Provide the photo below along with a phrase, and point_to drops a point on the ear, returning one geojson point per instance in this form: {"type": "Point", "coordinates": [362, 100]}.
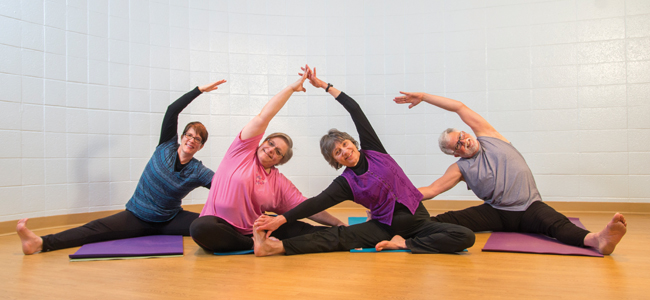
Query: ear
{"type": "Point", "coordinates": [200, 147]}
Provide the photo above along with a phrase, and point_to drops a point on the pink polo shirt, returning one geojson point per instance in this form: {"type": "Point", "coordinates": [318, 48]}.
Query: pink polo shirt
{"type": "Point", "coordinates": [241, 190]}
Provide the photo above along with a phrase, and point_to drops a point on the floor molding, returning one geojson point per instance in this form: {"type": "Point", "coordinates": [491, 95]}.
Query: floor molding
{"type": "Point", "coordinates": [9, 227]}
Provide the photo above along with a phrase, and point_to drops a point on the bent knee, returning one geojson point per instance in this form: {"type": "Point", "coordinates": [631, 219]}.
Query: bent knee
{"type": "Point", "coordinates": [465, 236]}
{"type": "Point", "coordinates": [199, 228]}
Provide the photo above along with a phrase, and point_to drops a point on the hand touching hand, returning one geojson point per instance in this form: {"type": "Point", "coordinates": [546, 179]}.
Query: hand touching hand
{"type": "Point", "coordinates": [211, 86]}
{"type": "Point", "coordinates": [297, 86]}
{"type": "Point", "coordinates": [412, 98]}
{"type": "Point", "coordinates": [312, 77]}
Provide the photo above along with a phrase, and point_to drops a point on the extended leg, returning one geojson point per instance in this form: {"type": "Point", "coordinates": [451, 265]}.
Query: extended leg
{"type": "Point", "coordinates": [293, 229]}
{"type": "Point", "coordinates": [118, 226]}
{"type": "Point", "coordinates": [339, 238]}
{"type": "Point", "coordinates": [477, 218]}
{"type": "Point", "coordinates": [179, 225]}
{"type": "Point", "coordinates": [541, 218]}
{"type": "Point", "coordinates": [214, 234]}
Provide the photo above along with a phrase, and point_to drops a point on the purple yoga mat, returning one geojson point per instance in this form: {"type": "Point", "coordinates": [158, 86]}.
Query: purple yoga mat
{"type": "Point", "coordinates": [535, 243]}
{"type": "Point", "coordinates": [152, 245]}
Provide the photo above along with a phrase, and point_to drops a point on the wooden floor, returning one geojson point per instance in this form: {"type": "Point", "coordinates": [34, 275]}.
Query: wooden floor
{"type": "Point", "coordinates": [483, 275]}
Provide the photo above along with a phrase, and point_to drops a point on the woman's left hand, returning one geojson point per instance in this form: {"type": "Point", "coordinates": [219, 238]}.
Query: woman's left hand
{"type": "Point", "coordinates": [297, 86]}
{"type": "Point", "coordinates": [211, 86]}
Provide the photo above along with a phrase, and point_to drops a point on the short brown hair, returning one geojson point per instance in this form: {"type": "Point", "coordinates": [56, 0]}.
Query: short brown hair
{"type": "Point", "coordinates": [287, 139]}
{"type": "Point", "coordinates": [328, 142]}
{"type": "Point", "coordinates": [199, 129]}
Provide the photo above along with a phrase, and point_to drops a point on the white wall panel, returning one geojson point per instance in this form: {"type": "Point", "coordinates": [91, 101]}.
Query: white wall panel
{"type": "Point", "coordinates": [85, 85]}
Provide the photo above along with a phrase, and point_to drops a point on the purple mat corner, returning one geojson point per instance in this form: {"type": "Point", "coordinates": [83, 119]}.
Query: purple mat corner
{"type": "Point", "coordinates": [152, 245]}
{"type": "Point", "coordinates": [535, 243]}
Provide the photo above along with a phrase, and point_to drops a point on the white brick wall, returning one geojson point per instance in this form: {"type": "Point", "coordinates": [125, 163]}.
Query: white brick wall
{"type": "Point", "coordinates": [84, 86]}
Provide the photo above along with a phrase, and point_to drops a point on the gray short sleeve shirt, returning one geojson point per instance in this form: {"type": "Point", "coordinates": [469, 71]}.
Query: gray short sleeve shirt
{"type": "Point", "coordinates": [499, 175]}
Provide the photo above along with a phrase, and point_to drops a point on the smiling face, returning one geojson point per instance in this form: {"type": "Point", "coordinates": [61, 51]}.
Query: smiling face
{"type": "Point", "coordinates": [271, 152]}
{"type": "Point", "coordinates": [191, 142]}
{"type": "Point", "coordinates": [346, 153]}
{"type": "Point", "coordinates": [463, 144]}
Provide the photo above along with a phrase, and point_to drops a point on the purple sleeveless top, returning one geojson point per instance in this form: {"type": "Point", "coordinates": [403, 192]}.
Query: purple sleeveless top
{"type": "Point", "coordinates": [381, 186]}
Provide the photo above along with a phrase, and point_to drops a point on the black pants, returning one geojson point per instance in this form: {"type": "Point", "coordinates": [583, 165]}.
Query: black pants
{"type": "Point", "coordinates": [422, 235]}
{"type": "Point", "coordinates": [215, 234]}
{"type": "Point", "coordinates": [538, 218]}
{"type": "Point", "coordinates": [118, 226]}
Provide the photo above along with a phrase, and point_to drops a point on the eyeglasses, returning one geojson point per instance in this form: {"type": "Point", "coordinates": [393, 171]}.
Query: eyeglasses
{"type": "Point", "coordinates": [460, 143]}
{"type": "Point", "coordinates": [194, 138]}
{"type": "Point", "coordinates": [277, 151]}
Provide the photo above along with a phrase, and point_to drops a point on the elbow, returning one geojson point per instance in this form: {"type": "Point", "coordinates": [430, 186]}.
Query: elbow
{"type": "Point", "coordinates": [459, 107]}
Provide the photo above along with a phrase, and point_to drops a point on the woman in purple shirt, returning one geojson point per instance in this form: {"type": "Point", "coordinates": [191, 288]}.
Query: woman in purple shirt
{"type": "Point", "coordinates": [373, 179]}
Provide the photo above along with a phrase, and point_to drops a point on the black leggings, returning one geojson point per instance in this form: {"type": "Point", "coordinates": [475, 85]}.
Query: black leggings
{"type": "Point", "coordinates": [215, 234]}
{"type": "Point", "coordinates": [421, 234]}
{"type": "Point", "coordinates": [118, 226]}
{"type": "Point", "coordinates": [538, 218]}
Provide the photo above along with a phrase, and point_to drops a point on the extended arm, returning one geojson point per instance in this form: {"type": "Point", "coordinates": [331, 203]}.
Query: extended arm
{"type": "Point", "coordinates": [259, 123]}
{"type": "Point", "coordinates": [448, 180]}
{"type": "Point", "coordinates": [169, 126]}
{"type": "Point", "coordinates": [336, 193]}
{"type": "Point", "coordinates": [367, 135]}
{"type": "Point", "coordinates": [326, 218]}
{"type": "Point", "coordinates": [479, 125]}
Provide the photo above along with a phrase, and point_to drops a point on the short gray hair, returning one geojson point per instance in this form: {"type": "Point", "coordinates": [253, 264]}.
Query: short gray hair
{"type": "Point", "coordinates": [328, 142]}
{"type": "Point", "coordinates": [443, 140]}
{"type": "Point", "coordinates": [287, 139]}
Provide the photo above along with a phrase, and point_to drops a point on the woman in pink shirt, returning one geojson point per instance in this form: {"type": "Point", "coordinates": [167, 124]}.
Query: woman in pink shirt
{"type": "Point", "coordinates": [247, 184]}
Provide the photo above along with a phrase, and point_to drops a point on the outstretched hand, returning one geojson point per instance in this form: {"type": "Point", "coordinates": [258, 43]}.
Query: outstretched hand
{"type": "Point", "coordinates": [317, 83]}
{"type": "Point", "coordinates": [412, 98]}
{"type": "Point", "coordinates": [211, 86]}
{"type": "Point", "coordinates": [297, 86]}
{"type": "Point", "coordinates": [268, 223]}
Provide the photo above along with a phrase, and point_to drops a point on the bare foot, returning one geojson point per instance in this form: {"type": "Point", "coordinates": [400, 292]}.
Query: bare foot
{"type": "Point", "coordinates": [32, 243]}
{"type": "Point", "coordinates": [266, 247]}
{"type": "Point", "coordinates": [607, 239]}
{"type": "Point", "coordinates": [396, 243]}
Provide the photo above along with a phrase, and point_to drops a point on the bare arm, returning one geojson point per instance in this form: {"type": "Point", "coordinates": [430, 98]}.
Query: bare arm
{"type": "Point", "coordinates": [326, 218]}
{"type": "Point", "coordinates": [259, 123]}
{"type": "Point", "coordinates": [479, 125]}
{"type": "Point", "coordinates": [448, 180]}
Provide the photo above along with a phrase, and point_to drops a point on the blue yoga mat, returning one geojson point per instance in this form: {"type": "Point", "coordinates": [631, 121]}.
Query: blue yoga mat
{"type": "Point", "coordinates": [370, 250]}
{"type": "Point", "coordinates": [241, 252]}
{"type": "Point", "coordinates": [356, 220]}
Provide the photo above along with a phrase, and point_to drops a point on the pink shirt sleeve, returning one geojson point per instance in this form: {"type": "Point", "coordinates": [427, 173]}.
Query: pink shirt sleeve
{"type": "Point", "coordinates": [290, 196]}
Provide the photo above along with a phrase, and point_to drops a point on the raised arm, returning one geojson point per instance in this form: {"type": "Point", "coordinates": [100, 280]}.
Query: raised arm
{"type": "Point", "coordinates": [479, 125]}
{"type": "Point", "coordinates": [259, 123]}
{"type": "Point", "coordinates": [367, 135]}
{"type": "Point", "coordinates": [169, 126]}
{"type": "Point", "coordinates": [448, 180]}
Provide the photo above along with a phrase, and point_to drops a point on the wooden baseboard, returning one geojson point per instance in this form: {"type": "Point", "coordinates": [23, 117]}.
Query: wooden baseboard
{"type": "Point", "coordinates": [8, 227]}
